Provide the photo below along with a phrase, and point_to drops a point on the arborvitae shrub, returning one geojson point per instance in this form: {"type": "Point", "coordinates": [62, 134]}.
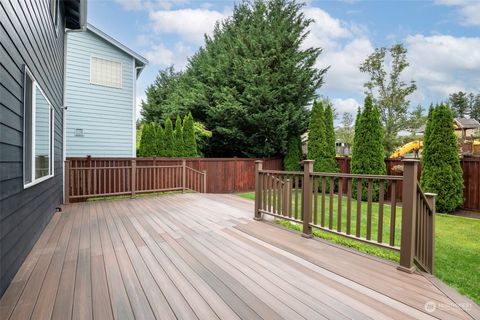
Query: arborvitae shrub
{"type": "Point", "coordinates": [368, 153]}
{"type": "Point", "coordinates": [330, 161]}
{"type": "Point", "coordinates": [316, 136]}
{"type": "Point", "coordinates": [159, 140]}
{"type": "Point", "coordinates": [179, 144]}
{"type": "Point", "coordinates": [189, 140]}
{"type": "Point", "coordinates": [147, 142]}
{"type": "Point", "coordinates": [441, 170]}
{"type": "Point", "coordinates": [294, 155]}
{"type": "Point", "coordinates": [169, 139]}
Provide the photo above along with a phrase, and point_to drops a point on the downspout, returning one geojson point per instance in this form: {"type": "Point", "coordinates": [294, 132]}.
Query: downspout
{"type": "Point", "coordinates": [134, 115]}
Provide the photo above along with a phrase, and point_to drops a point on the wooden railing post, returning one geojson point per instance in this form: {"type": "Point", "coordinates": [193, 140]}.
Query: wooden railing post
{"type": "Point", "coordinates": [66, 187]}
{"type": "Point", "coordinates": [204, 181]}
{"type": "Point", "coordinates": [307, 198]}
{"type": "Point", "coordinates": [184, 177]}
{"type": "Point", "coordinates": [258, 191]}
{"type": "Point", "coordinates": [431, 234]}
{"type": "Point", "coordinates": [134, 177]}
{"type": "Point", "coordinates": [409, 207]}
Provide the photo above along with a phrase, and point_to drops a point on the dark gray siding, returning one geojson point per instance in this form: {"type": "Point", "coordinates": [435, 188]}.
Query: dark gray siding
{"type": "Point", "coordinates": [27, 37]}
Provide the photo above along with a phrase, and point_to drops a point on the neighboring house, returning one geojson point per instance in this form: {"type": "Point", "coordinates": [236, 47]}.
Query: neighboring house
{"type": "Point", "coordinates": [101, 76]}
{"type": "Point", "coordinates": [32, 35]}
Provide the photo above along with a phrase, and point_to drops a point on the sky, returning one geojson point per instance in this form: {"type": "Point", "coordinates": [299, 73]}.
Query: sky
{"type": "Point", "coordinates": [442, 38]}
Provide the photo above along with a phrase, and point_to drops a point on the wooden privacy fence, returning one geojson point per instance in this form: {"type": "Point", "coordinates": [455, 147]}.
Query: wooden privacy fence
{"type": "Point", "coordinates": [82, 182]}
{"type": "Point", "coordinates": [471, 178]}
{"type": "Point", "coordinates": [354, 206]}
{"type": "Point", "coordinates": [223, 175]}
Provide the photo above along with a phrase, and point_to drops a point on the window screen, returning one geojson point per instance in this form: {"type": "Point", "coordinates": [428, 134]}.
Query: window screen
{"type": "Point", "coordinates": [106, 72]}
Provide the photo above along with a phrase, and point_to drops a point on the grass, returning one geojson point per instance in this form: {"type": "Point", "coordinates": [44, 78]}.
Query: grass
{"type": "Point", "coordinates": [457, 240]}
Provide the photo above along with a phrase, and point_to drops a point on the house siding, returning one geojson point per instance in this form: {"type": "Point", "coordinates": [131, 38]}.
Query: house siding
{"type": "Point", "coordinates": [104, 113]}
{"type": "Point", "coordinates": [27, 37]}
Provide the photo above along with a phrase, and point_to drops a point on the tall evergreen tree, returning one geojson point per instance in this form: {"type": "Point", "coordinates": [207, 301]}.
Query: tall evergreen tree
{"type": "Point", "coordinates": [251, 82]}
{"type": "Point", "coordinates": [330, 150]}
{"type": "Point", "coordinates": [441, 170]}
{"type": "Point", "coordinates": [179, 144]}
{"type": "Point", "coordinates": [169, 139]}
{"type": "Point", "coordinates": [159, 141]}
{"type": "Point", "coordinates": [189, 139]}
{"type": "Point", "coordinates": [368, 154]}
{"type": "Point", "coordinates": [294, 155]}
{"type": "Point", "coordinates": [316, 136]}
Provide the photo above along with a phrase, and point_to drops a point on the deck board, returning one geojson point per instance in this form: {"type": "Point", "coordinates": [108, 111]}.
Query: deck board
{"type": "Point", "coordinates": [194, 256]}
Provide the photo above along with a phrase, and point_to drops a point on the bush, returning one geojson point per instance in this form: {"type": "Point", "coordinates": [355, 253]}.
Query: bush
{"type": "Point", "coordinates": [316, 136]}
{"type": "Point", "coordinates": [329, 161]}
{"type": "Point", "coordinates": [169, 139]}
{"type": "Point", "coordinates": [179, 145]}
{"type": "Point", "coordinates": [147, 143]}
{"type": "Point", "coordinates": [441, 170]}
{"type": "Point", "coordinates": [189, 140]}
{"type": "Point", "coordinates": [367, 153]}
{"type": "Point", "coordinates": [294, 155]}
{"type": "Point", "coordinates": [159, 140]}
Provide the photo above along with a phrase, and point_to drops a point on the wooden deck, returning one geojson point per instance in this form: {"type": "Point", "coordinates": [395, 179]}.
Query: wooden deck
{"type": "Point", "coordinates": [197, 256]}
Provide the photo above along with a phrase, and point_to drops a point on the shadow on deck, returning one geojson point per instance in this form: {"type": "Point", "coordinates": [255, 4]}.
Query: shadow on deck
{"type": "Point", "coordinates": [202, 256]}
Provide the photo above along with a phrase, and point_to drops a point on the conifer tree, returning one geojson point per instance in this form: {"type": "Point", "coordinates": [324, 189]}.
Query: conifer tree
{"type": "Point", "coordinates": [330, 161]}
{"type": "Point", "coordinates": [316, 136]}
{"type": "Point", "coordinates": [179, 144]}
{"type": "Point", "coordinates": [169, 139]}
{"type": "Point", "coordinates": [441, 170]}
{"type": "Point", "coordinates": [147, 142]}
{"type": "Point", "coordinates": [294, 155]}
{"type": "Point", "coordinates": [189, 140]}
{"type": "Point", "coordinates": [159, 141]}
{"type": "Point", "coordinates": [368, 152]}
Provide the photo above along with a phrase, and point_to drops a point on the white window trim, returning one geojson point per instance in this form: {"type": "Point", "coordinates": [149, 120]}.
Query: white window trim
{"type": "Point", "coordinates": [108, 59]}
{"type": "Point", "coordinates": [51, 126]}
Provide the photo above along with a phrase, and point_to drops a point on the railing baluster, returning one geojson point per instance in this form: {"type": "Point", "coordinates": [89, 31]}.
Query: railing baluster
{"type": "Point", "coordinates": [381, 195]}
{"type": "Point", "coordinates": [369, 209]}
{"type": "Point", "coordinates": [330, 204]}
{"type": "Point", "coordinates": [296, 196]}
{"type": "Point", "coordinates": [274, 194]}
{"type": "Point", "coordinates": [340, 200]}
{"type": "Point", "coordinates": [349, 204]}
{"type": "Point", "coordinates": [315, 200]}
{"type": "Point", "coordinates": [393, 208]}
{"type": "Point", "coordinates": [359, 207]}
{"type": "Point", "coordinates": [324, 188]}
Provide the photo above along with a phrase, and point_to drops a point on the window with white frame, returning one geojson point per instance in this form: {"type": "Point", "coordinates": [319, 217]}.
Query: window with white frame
{"type": "Point", "coordinates": [105, 72]}
{"type": "Point", "coordinates": [38, 133]}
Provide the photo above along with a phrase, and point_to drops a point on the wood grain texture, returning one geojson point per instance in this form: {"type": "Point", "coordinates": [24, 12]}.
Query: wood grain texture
{"type": "Point", "coordinates": [201, 256]}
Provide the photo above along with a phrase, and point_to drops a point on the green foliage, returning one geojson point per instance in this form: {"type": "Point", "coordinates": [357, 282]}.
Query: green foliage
{"type": "Point", "coordinates": [189, 140]}
{"type": "Point", "coordinates": [346, 132]}
{"type": "Point", "coordinates": [148, 146]}
{"type": "Point", "coordinates": [388, 91]}
{"type": "Point", "coordinates": [169, 139]}
{"type": "Point", "coordinates": [179, 144]}
{"type": "Point", "coordinates": [465, 104]}
{"type": "Point", "coordinates": [441, 170]}
{"type": "Point", "coordinates": [316, 136]}
{"type": "Point", "coordinates": [249, 84]}
{"type": "Point", "coordinates": [159, 140]}
{"type": "Point", "coordinates": [201, 136]}
{"type": "Point", "coordinates": [294, 155]}
{"type": "Point", "coordinates": [367, 153]}
{"type": "Point", "coordinates": [330, 162]}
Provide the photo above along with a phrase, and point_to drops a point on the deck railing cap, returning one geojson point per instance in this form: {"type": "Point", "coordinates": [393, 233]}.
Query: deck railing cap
{"type": "Point", "coordinates": [411, 161]}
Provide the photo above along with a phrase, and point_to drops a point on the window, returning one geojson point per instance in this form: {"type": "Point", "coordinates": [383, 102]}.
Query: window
{"type": "Point", "coordinates": [106, 72]}
{"type": "Point", "coordinates": [38, 133]}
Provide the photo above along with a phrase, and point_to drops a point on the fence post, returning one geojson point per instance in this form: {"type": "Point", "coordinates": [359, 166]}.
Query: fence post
{"type": "Point", "coordinates": [204, 181]}
{"type": "Point", "coordinates": [134, 177]}
{"type": "Point", "coordinates": [431, 234]}
{"type": "Point", "coordinates": [184, 178]}
{"type": "Point", "coordinates": [409, 205]}
{"type": "Point", "coordinates": [258, 191]}
{"type": "Point", "coordinates": [66, 187]}
{"type": "Point", "coordinates": [307, 198]}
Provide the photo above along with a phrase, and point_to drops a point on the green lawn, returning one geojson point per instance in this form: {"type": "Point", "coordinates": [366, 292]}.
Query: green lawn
{"type": "Point", "coordinates": [457, 242]}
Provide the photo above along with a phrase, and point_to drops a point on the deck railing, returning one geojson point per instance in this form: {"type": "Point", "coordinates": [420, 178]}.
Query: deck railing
{"type": "Point", "coordinates": [101, 181]}
{"type": "Point", "coordinates": [354, 206]}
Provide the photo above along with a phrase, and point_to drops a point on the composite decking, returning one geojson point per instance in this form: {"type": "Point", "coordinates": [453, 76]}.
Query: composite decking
{"type": "Point", "coordinates": [197, 256]}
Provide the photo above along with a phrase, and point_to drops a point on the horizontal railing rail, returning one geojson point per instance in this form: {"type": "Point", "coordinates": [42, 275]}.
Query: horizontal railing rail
{"type": "Point", "coordinates": [356, 206]}
{"type": "Point", "coordinates": [100, 181]}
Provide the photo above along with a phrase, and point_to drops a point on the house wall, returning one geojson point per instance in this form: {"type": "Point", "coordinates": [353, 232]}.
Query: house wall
{"type": "Point", "coordinates": [27, 37]}
{"type": "Point", "coordinates": [104, 113]}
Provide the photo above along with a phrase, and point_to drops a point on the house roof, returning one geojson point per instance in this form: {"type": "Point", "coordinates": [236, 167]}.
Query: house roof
{"type": "Point", "coordinates": [140, 61]}
{"type": "Point", "coordinates": [464, 123]}
{"type": "Point", "coordinates": [75, 13]}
